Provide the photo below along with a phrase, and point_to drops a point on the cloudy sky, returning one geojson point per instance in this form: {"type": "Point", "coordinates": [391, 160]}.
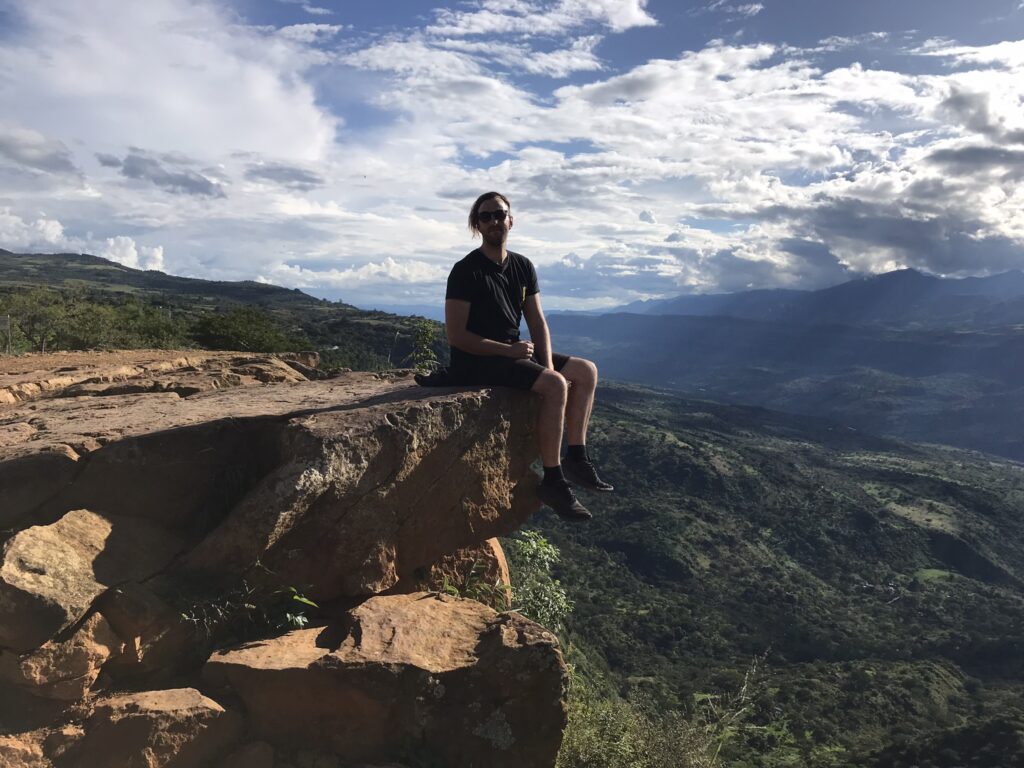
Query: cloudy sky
{"type": "Point", "coordinates": [650, 147]}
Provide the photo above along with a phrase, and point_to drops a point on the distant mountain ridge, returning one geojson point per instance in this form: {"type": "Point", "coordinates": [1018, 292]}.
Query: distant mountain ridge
{"type": "Point", "coordinates": [904, 298]}
{"type": "Point", "coordinates": [344, 335]}
{"type": "Point", "coordinates": [70, 270]}
{"type": "Point", "coordinates": [900, 354]}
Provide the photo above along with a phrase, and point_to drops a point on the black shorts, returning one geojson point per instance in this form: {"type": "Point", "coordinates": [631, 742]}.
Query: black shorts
{"type": "Point", "coordinates": [505, 372]}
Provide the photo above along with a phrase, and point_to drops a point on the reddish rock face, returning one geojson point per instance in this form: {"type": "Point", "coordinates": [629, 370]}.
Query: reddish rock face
{"type": "Point", "coordinates": [50, 574]}
{"type": "Point", "coordinates": [178, 728]}
{"type": "Point", "coordinates": [126, 480]}
{"type": "Point", "coordinates": [419, 674]}
{"type": "Point", "coordinates": [479, 572]}
{"type": "Point", "coordinates": [64, 670]}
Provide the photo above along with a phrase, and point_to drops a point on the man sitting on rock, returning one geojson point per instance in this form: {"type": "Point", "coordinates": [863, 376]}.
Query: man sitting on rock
{"type": "Point", "coordinates": [489, 292]}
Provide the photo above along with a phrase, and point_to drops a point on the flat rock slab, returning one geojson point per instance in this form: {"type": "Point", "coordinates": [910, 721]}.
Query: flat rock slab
{"type": "Point", "coordinates": [281, 466]}
{"type": "Point", "coordinates": [418, 674]}
{"type": "Point", "coordinates": [59, 374]}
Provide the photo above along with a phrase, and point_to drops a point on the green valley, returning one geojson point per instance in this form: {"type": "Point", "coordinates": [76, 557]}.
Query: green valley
{"type": "Point", "coordinates": [879, 582]}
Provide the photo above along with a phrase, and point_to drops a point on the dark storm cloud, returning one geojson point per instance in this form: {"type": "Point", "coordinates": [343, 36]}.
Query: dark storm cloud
{"type": "Point", "coordinates": [939, 238]}
{"type": "Point", "coordinates": [32, 150]}
{"type": "Point", "coordinates": [183, 181]}
{"type": "Point", "coordinates": [814, 263]}
{"type": "Point", "coordinates": [943, 243]}
{"type": "Point", "coordinates": [971, 110]}
{"type": "Point", "coordinates": [286, 176]}
{"type": "Point", "coordinates": [108, 161]}
{"type": "Point", "coordinates": [978, 157]}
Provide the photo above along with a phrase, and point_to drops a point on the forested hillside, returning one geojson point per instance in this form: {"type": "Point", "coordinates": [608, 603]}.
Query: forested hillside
{"type": "Point", "coordinates": [881, 582]}
{"type": "Point", "coordinates": [77, 301]}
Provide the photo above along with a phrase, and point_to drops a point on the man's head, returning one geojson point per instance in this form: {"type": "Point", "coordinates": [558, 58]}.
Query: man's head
{"type": "Point", "coordinates": [491, 218]}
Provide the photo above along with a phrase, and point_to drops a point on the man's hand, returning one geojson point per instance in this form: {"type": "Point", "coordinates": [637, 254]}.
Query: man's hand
{"type": "Point", "coordinates": [520, 350]}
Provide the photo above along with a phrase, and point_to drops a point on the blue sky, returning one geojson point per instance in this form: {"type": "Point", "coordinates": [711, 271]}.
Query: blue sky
{"type": "Point", "coordinates": [649, 148]}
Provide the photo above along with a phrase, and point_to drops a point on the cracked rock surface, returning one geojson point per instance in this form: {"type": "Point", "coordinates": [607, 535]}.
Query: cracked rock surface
{"type": "Point", "coordinates": [129, 478]}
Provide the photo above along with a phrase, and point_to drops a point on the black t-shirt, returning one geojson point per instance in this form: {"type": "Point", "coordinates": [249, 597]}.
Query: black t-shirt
{"type": "Point", "coordinates": [496, 295]}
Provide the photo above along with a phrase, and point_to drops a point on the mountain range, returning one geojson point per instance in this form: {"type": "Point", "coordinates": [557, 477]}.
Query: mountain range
{"type": "Point", "coordinates": [905, 298]}
{"type": "Point", "coordinates": [901, 354]}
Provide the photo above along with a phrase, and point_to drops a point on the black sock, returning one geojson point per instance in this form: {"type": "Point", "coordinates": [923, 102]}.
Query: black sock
{"type": "Point", "coordinates": [576, 453]}
{"type": "Point", "coordinates": [553, 475]}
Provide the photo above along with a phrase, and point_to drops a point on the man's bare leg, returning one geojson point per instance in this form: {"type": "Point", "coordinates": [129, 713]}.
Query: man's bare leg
{"type": "Point", "coordinates": [578, 467]}
{"type": "Point", "coordinates": [553, 389]}
{"type": "Point", "coordinates": [554, 490]}
{"type": "Point", "coordinates": [582, 377]}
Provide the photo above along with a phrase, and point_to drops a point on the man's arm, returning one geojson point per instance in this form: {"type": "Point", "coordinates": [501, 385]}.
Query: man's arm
{"type": "Point", "coordinates": [456, 316]}
{"type": "Point", "coordinates": [539, 332]}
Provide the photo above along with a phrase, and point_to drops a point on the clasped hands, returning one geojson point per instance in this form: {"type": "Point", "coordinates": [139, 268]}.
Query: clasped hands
{"type": "Point", "coordinates": [520, 350]}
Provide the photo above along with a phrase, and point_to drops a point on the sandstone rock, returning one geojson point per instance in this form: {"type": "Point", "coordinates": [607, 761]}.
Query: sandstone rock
{"type": "Point", "coordinates": [480, 573]}
{"type": "Point", "coordinates": [343, 486]}
{"type": "Point", "coordinates": [20, 476]}
{"type": "Point", "coordinates": [158, 641]}
{"type": "Point", "coordinates": [50, 574]}
{"type": "Point", "coordinates": [42, 748]}
{"type": "Point", "coordinates": [75, 374]}
{"type": "Point", "coordinates": [21, 712]}
{"type": "Point", "coordinates": [177, 728]}
{"type": "Point", "coordinates": [60, 743]}
{"type": "Point", "coordinates": [436, 675]}
{"type": "Point", "coordinates": [23, 750]}
{"type": "Point", "coordinates": [66, 669]}
{"type": "Point", "coordinates": [371, 494]}
{"type": "Point", "coordinates": [32, 376]}
{"type": "Point", "coordinates": [309, 358]}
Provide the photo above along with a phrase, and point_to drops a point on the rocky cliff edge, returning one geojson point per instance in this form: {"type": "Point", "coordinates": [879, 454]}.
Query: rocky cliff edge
{"type": "Point", "coordinates": [156, 507]}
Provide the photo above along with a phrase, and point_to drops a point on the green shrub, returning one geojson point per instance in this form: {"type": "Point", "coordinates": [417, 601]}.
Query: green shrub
{"type": "Point", "coordinates": [535, 592]}
{"type": "Point", "coordinates": [618, 733]}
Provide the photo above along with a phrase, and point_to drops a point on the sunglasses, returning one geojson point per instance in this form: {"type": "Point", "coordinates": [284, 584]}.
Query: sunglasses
{"type": "Point", "coordinates": [486, 216]}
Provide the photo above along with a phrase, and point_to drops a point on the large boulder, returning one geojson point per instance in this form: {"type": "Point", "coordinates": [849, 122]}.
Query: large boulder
{"type": "Point", "coordinates": [420, 674]}
{"type": "Point", "coordinates": [50, 574]}
{"type": "Point", "coordinates": [366, 495]}
{"type": "Point", "coordinates": [178, 728]}
{"type": "Point", "coordinates": [64, 669]}
{"type": "Point", "coordinates": [341, 486]}
{"type": "Point", "coordinates": [23, 750]}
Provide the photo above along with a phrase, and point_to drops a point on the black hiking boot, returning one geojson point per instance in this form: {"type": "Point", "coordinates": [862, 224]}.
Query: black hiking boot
{"type": "Point", "coordinates": [562, 500]}
{"type": "Point", "coordinates": [582, 473]}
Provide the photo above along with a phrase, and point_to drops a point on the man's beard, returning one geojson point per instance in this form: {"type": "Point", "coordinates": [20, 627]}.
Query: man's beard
{"type": "Point", "coordinates": [496, 238]}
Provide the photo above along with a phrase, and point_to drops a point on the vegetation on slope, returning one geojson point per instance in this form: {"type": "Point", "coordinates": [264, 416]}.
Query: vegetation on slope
{"type": "Point", "coordinates": [71, 301]}
{"type": "Point", "coordinates": [881, 580]}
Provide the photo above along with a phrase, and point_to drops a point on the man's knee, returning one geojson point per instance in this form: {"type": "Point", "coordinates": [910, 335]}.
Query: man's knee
{"type": "Point", "coordinates": [551, 384]}
{"type": "Point", "coordinates": [582, 372]}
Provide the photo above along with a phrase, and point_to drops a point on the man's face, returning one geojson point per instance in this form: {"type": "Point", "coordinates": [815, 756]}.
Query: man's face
{"type": "Point", "coordinates": [492, 230]}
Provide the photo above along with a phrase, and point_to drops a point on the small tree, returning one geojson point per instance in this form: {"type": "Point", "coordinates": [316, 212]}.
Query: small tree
{"type": "Point", "coordinates": [424, 336]}
{"type": "Point", "coordinates": [536, 593]}
{"type": "Point", "coordinates": [39, 314]}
